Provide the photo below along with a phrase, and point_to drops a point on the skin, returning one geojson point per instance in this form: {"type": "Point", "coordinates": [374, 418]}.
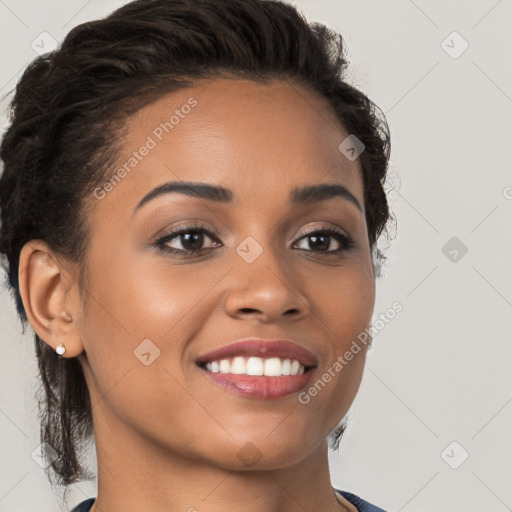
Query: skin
{"type": "Point", "coordinates": [168, 438]}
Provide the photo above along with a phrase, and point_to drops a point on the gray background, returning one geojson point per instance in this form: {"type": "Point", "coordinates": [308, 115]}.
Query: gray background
{"type": "Point", "coordinates": [439, 372]}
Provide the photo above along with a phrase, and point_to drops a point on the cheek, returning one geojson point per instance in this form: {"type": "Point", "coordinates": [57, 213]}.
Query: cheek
{"type": "Point", "coordinates": [133, 301]}
{"type": "Point", "coordinates": [346, 313]}
{"type": "Point", "coordinates": [135, 309]}
{"type": "Point", "coordinates": [348, 302]}
{"type": "Point", "coordinates": [135, 331]}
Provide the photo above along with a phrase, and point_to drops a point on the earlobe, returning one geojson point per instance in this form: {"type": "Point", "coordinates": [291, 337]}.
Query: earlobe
{"type": "Point", "coordinates": [46, 289]}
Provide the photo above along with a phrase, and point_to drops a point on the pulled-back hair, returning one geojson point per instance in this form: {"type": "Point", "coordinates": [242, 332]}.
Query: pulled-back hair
{"type": "Point", "coordinates": [67, 119]}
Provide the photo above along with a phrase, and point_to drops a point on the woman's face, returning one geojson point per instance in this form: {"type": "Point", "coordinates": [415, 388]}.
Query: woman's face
{"type": "Point", "coordinates": [254, 272]}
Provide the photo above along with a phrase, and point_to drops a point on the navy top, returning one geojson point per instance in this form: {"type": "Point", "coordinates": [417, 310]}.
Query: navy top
{"type": "Point", "coordinates": [359, 503]}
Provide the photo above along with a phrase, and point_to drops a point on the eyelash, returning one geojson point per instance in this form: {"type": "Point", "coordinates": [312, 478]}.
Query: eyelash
{"type": "Point", "coordinates": [345, 241]}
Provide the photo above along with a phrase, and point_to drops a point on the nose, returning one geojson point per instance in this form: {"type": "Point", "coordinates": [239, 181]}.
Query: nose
{"type": "Point", "coordinates": [266, 288]}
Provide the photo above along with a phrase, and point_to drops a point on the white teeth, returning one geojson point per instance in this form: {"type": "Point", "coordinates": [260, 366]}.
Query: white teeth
{"type": "Point", "coordinates": [225, 366]}
{"type": "Point", "coordinates": [294, 370]}
{"type": "Point", "coordinates": [255, 366]}
{"type": "Point", "coordinates": [270, 367]}
{"type": "Point", "coordinates": [273, 367]}
{"type": "Point", "coordinates": [238, 366]}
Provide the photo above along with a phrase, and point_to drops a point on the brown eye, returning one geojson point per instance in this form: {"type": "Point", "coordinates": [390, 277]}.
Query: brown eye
{"type": "Point", "coordinates": [322, 241]}
{"type": "Point", "coordinates": [190, 241]}
{"type": "Point", "coordinates": [187, 240]}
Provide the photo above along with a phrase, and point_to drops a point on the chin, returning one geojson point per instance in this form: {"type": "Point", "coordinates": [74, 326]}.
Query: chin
{"type": "Point", "coordinates": [261, 453]}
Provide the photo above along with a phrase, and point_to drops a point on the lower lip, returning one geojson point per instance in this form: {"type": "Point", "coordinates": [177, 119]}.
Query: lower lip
{"type": "Point", "coordinates": [264, 388]}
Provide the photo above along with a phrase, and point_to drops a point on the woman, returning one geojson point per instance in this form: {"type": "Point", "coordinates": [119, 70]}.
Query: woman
{"type": "Point", "coordinates": [191, 201]}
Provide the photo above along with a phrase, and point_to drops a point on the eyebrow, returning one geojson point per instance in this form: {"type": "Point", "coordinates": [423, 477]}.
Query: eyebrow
{"type": "Point", "coordinates": [298, 195]}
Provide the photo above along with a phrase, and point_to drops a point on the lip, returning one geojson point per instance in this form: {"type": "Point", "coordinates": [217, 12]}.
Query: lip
{"type": "Point", "coordinates": [261, 387]}
{"type": "Point", "coordinates": [284, 349]}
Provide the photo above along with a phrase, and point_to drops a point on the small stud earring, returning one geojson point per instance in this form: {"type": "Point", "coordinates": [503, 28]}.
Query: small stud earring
{"type": "Point", "coordinates": [61, 349]}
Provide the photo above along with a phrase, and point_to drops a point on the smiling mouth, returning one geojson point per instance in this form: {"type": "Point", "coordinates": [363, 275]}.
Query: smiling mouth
{"type": "Point", "coordinates": [260, 369]}
{"type": "Point", "coordinates": [259, 378]}
{"type": "Point", "coordinates": [256, 366]}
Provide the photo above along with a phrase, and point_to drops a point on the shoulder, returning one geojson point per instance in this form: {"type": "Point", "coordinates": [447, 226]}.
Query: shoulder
{"type": "Point", "coordinates": [359, 503]}
{"type": "Point", "coordinates": [84, 506]}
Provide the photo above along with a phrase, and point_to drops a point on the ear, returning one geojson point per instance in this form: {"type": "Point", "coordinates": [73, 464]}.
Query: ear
{"type": "Point", "coordinates": [49, 293]}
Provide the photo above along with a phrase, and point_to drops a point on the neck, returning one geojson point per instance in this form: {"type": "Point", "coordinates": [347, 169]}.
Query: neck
{"type": "Point", "coordinates": [136, 474]}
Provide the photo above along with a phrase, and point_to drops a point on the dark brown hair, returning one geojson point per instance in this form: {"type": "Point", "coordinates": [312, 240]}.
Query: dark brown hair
{"type": "Point", "coordinates": [69, 107]}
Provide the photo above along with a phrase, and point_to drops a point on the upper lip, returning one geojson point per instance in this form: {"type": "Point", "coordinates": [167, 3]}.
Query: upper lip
{"type": "Point", "coordinates": [284, 349]}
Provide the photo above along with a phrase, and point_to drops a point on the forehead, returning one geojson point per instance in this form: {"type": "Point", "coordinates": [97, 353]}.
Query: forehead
{"type": "Point", "coordinates": [258, 139]}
